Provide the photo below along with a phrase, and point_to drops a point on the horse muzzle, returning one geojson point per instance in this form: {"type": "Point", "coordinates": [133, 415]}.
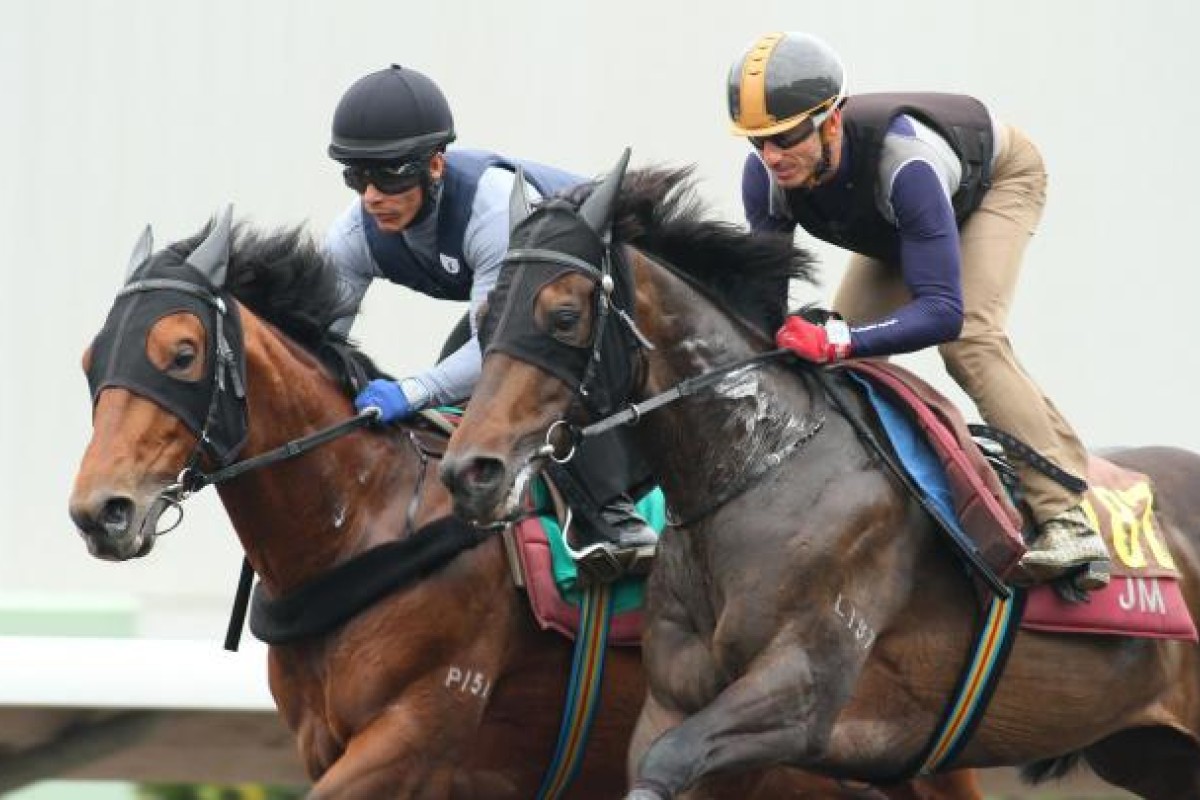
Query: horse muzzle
{"type": "Point", "coordinates": [116, 527]}
{"type": "Point", "coordinates": [479, 484]}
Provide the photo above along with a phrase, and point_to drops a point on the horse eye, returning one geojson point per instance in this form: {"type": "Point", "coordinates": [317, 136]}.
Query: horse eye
{"type": "Point", "coordinates": [564, 321]}
{"type": "Point", "coordinates": [184, 357]}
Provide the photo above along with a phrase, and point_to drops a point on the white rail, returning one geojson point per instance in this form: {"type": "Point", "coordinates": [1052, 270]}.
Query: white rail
{"type": "Point", "coordinates": [83, 672]}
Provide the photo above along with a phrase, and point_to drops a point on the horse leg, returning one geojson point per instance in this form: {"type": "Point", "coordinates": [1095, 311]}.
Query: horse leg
{"type": "Point", "coordinates": [1158, 763]}
{"type": "Point", "coordinates": [653, 721]}
{"type": "Point", "coordinates": [785, 782]}
{"type": "Point", "coordinates": [391, 759]}
{"type": "Point", "coordinates": [771, 715]}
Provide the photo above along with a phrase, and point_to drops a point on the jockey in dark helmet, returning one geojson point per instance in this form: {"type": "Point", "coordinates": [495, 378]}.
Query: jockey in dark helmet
{"type": "Point", "coordinates": [395, 120]}
{"type": "Point", "coordinates": [937, 200]}
{"type": "Point", "coordinates": [437, 222]}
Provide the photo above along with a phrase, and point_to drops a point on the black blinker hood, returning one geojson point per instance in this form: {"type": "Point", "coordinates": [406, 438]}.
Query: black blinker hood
{"type": "Point", "coordinates": [553, 241]}
{"type": "Point", "coordinates": [213, 408]}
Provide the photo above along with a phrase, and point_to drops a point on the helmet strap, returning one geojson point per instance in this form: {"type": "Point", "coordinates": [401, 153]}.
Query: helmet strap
{"type": "Point", "coordinates": [822, 168]}
{"type": "Point", "coordinates": [430, 192]}
{"type": "Point", "coordinates": [825, 165]}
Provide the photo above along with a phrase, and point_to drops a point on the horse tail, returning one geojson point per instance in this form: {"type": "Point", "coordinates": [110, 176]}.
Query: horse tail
{"type": "Point", "coordinates": [1050, 769]}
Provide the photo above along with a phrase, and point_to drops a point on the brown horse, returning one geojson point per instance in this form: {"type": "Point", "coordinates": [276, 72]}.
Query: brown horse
{"type": "Point", "coordinates": [218, 347]}
{"type": "Point", "coordinates": [792, 524]}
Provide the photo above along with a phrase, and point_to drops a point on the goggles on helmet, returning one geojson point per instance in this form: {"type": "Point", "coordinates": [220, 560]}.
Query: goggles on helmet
{"type": "Point", "coordinates": [801, 131]}
{"type": "Point", "coordinates": [790, 138]}
{"type": "Point", "coordinates": [387, 178]}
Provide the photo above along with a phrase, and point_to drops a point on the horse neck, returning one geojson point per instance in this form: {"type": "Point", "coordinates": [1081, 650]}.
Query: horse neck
{"type": "Point", "coordinates": [707, 442]}
{"type": "Point", "coordinates": [299, 516]}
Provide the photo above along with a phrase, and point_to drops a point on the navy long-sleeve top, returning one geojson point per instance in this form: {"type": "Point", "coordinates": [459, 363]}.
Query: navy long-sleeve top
{"type": "Point", "coordinates": [917, 174]}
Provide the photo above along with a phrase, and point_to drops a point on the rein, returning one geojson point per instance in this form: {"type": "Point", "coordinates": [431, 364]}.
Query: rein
{"type": "Point", "coordinates": [192, 479]}
{"type": "Point", "coordinates": [632, 414]}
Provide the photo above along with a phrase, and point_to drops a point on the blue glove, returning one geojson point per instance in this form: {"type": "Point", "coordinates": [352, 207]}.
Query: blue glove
{"type": "Point", "coordinates": [388, 397]}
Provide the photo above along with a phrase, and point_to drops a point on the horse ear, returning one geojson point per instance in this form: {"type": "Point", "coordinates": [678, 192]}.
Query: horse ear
{"type": "Point", "coordinates": [518, 201]}
{"type": "Point", "coordinates": [141, 252]}
{"type": "Point", "coordinates": [211, 257]}
{"type": "Point", "coordinates": [597, 210]}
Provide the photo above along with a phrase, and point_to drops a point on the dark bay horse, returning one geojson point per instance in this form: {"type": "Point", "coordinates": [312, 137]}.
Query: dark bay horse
{"type": "Point", "coordinates": [793, 539]}
{"type": "Point", "coordinates": [444, 689]}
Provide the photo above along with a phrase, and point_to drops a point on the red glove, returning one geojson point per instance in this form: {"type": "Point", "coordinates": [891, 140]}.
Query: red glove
{"type": "Point", "coordinates": [816, 343]}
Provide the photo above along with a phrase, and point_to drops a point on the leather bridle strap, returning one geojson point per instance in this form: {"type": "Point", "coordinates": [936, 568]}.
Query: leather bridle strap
{"type": "Point", "coordinates": [553, 257]}
{"type": "Point", "coordinates": [193, 480]}
{"type": "Point", "coordinates": [632, 414]}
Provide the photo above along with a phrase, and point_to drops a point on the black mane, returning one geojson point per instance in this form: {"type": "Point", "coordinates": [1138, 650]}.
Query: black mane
{"type": "Point", "coordinates": [747, 273]}
{"type": "Point", "coordinates": [285, 279]}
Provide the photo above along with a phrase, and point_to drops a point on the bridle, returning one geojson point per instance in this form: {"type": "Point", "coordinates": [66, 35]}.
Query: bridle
{"type": "Point", "coordinates": [226, 401]}
{"type": "Point", "coordinates": [618, 411]}
{"type": "Point", "coordinates": [228, 386]}
{"type": "Point", "coordinates": [627, 347]}
{"type": "Point", "coordinates": [603, 376]}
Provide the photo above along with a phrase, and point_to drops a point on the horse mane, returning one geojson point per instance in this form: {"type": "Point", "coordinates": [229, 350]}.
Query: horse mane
{"type": "Point", "coordinates": [743, 272]}
{"type": "Point", "coordinates": [285, 278]}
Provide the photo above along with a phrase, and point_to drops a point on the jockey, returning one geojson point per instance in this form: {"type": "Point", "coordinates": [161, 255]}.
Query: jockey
{"type": "Point", "coordinates": [437, 221]}
{"type": "Point", "coordinates": [937, 200]}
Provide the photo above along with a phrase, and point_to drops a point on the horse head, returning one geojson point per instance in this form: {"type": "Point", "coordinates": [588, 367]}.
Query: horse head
{"type": "Point", "coordinates": [580, 333]}
{"type": "Point", "coordinates": [216, 349]}
{"type": "Point", "coordinates": [166, 374]}
{"type": "Point", "coordinates": [588, 296]}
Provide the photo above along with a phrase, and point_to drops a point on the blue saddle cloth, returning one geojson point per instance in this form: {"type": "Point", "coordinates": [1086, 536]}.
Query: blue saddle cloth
{"type": "Point", "coordinates": [914, 453]}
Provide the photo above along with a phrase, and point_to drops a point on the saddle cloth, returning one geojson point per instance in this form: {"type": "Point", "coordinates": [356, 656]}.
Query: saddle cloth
{"type": "Point", "coordinates": [539, 561]}
{"type": "Point", "coordinates": [548, 574]}
{"type": "Point", "coordinates": [1144, 598]}
{"type": "Point", "coordinates": [975, 495]}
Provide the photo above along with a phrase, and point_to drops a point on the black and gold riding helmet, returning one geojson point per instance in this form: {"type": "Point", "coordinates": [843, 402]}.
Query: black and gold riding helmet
{"type": "Point", "coordinates": [782, 79]}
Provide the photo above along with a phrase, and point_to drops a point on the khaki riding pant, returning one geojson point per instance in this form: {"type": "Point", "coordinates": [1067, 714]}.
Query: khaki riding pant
{"type": "Point", "coordinates": [981, 360]}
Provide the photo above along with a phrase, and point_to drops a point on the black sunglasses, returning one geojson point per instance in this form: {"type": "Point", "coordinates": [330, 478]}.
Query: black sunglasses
{"type": "Point", "coordinates": [388, 178]}
{"type": "Point", "coordinates": [789, 138]}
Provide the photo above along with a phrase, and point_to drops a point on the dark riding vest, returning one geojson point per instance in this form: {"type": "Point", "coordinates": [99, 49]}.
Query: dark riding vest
{"type": "Point", "coordinates": [962, 121]}
{"type": "Point", "coordinates": [460, 182]}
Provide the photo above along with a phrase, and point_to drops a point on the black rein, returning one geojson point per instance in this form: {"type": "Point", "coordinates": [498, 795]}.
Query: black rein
{"type": "Point", "coordinates": [192, 480]}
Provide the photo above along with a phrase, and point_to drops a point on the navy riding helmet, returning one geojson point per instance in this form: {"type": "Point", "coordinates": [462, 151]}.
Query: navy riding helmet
{"type": "Point", "coordinates": [394, 115]}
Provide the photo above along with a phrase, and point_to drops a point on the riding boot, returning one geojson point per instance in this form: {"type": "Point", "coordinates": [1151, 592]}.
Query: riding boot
{"type": "Point", "coordinates": [622, 528]}
{"type": "Point", "coordinates": [632, 530]}
{"type": "Point", "coordinates": [611, 544]}
{"type": "Point", "coordinates": [1068, 545]}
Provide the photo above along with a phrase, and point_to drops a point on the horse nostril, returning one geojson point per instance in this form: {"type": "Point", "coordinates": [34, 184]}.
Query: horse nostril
{"type": "Point", "coordinates": [109, 515]}
{"type": "Point", "coordinates": [473, 475]}
{"type": "Point", "coordinates": [115, 515]}
{"type": "Point", "coordinates": [485, 473]}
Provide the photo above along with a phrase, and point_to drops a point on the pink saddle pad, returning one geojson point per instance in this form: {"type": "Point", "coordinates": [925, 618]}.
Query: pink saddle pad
{"type": "Point", "coordinates": [549, 608]}
{"type": "Point", "coordinates": [1144, 598]}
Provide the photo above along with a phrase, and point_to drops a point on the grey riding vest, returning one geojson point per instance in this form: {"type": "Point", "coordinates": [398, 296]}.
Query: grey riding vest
{"type": "Point", "coordinates": [464, 168]}
{"type": "Point", "coordinates": [962, 121]}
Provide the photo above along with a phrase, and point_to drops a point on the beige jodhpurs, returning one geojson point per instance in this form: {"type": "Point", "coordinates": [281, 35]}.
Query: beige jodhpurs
{"type": "Point", "coordinates": [981, 360]}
